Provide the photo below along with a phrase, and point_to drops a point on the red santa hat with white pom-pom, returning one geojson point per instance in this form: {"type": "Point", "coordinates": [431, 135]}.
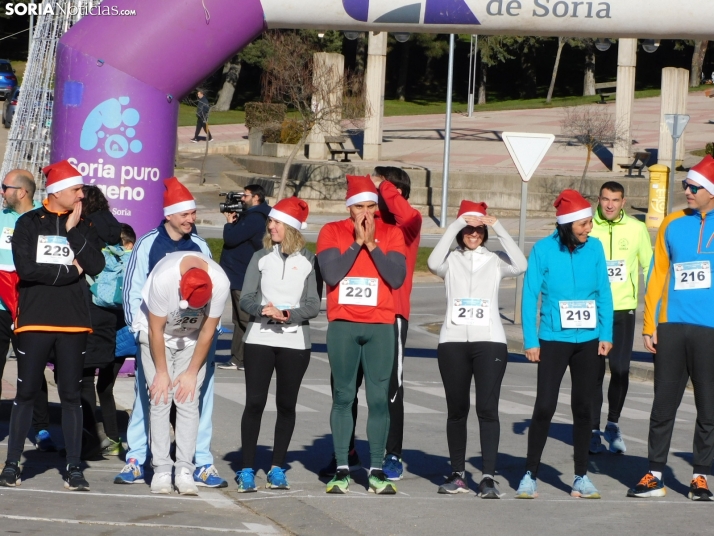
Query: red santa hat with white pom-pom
{"type": "Point", "coordinates": [60, 176]}
{"type": "Point", "coordinates": [291, 211]}
{"type": "Point", "coordinates": [571, 206]}
{"type": "Point", "coordinates": [177, 198]}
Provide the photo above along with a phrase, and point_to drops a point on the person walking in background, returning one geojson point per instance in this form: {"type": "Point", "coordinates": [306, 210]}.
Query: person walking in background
{"type": "Point", "coordinates": [203, 107]}
{"type": "Point", "coordinates": [280, 295]}
{"type": "Point", "coordinates": [472, 343]}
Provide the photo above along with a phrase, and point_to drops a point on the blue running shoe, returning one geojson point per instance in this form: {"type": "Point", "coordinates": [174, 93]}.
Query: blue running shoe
{"type": "Point", "coordinates": [276, 479]}
{"type": "Point", "coordinates": [649, 486]}
{"type": "Point", "coordinates": [584, 488]}
{"type": "Point", "coordinates": [393, 467]}
{"type": "Point", "coordinates": [133, 473]}
{"type": "Point", "coordinates": [246, 481]}
{"type": "Point", "coordinates": [44, 443]}
{"type": "Point", "coordinates": [613, 436]}
{"type": "Point", "coordinates": [528, 488]}
{"type": "Point", "coordinates": [207, 477]}
{"type": "Point", "coordinates": [596, 446]}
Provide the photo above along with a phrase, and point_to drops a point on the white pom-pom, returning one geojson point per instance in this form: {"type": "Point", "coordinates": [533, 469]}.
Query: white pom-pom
{"type": "Point", "coordinates": [303, 225]}
{"type": "Point", "coordinates": [183, 304]}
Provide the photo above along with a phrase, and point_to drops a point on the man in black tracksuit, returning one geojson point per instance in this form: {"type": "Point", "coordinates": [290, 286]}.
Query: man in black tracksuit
{"type": "Point", "coordinates": [53, 249]}
{"type": "Point", "coordinates": [202, 109]}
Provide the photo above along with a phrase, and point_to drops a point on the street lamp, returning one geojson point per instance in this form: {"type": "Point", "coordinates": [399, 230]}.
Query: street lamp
{"type": "Point", "coordinates": [650, 45]}
{"type": "Point", "coordinates": [402, 37]}
{"type": "Point", "coordinates": [603, 44]}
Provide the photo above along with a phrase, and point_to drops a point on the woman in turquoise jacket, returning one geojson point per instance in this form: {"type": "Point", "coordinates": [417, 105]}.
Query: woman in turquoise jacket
{"type": "Point", "coordinates": [569, 273]}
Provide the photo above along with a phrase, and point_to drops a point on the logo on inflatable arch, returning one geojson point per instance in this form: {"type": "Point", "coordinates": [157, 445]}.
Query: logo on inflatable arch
{"type": "Point", "coordinates": [410, 12]}
{"type": "Point", "coordinates": [109, 128]}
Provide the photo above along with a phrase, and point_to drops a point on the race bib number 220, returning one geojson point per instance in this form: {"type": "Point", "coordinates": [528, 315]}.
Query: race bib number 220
{"type": "Point", "coordinates": [358, 291]}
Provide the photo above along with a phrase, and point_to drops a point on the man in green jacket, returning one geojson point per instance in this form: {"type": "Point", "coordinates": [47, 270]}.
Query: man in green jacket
{"type": "Point", "coordinates": [627, 243]}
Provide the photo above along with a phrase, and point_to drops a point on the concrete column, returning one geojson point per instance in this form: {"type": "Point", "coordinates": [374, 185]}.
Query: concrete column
{"type": "Point", "coordinates": [328, 75]}
{"type": "Point", "coordinates": [626, 66]}
{"type": "Point", "coordinates": [374, 88]}
{"type": "Point", "coordinates": [675, 88]}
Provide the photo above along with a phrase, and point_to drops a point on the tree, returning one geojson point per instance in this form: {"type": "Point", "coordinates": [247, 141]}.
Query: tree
{"type": "Point", "coordinates": [254, 54]}
{"type": "Point", "coordinates": [561, 44]}
{"type": "Point", "coordinates": [587, 44]}
{"type": "Point", "coordinates": [310, 88]}
{"type": "Point", "coordinates": [591, 126]}
{"type": "Point", "coordinates": [492, 50]}
{"type": "Point", "coordinates": [695, 73]}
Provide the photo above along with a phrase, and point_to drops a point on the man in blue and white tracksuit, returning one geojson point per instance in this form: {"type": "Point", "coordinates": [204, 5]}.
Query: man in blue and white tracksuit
{"type": "Point", "coordinates": [176, 233]}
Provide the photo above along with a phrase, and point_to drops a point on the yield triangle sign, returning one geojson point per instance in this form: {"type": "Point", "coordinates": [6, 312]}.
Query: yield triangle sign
{"type": "Point", "coordinates": [676, 123]}
{"type": "Point", "coordinates": [527, 150]}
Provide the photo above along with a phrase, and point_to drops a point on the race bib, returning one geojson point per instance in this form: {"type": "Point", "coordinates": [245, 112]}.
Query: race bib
{"type": "Point", "coordinates": [54, 250]}
{"type": "Point", "coordinates": [6, 238]}
{"type": "Point", "coordinates": [269, 325]}
{"type": "Point", "coordinates": [616, 271]}
{"type": "Point", "coordinates": [578, 314]}
{"type": "Point", "coordinates": [471, 312]}
{"type": "Point", "coordinates": [692, 275]}
{"type": "Point", "coordinates": [358, 291]}
{"type": "Point", "coordinates": [184, 321]}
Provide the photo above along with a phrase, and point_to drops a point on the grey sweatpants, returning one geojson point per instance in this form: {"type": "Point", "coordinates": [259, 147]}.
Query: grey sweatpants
{"type": "Point", "coordinates": [187, 413]}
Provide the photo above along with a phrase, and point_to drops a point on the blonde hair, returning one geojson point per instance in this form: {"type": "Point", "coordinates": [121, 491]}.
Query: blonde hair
{"type": "Point", "coordinates": [294, 240]}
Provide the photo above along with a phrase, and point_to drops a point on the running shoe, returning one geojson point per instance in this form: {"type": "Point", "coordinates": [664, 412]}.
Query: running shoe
{"type": "Point", "coordinates": [10, 476]}
{"type": "Point", "coordinates": [454, 484]}
{"type": "Point", "coordinates": [44, 443]}
{"type": "Point", "coordinates": [161, 483]}
{"type": "Point", "coordinates": [649, 486]}
{"type": "Point", "coordinates": [74, 479]}
{"type": "Point", "coordinates": [112, 448]}
{"type": "Point", "coordinates": [699, 490]}
{"type": "Point", "coordinates": [207, 476]}
{"type": "Point", "coordinates": [487, 489]}
{"type": "Point", "coordinates": [613, 436]}
{"type": "Point", "coordinates": [380, 484]}
{"type": "Point", "coordinates": [340, 483]}
{"type": "Point", "coordinates": [528, 488]}
{"type": "Point", "coordinates": [229, 365]}
{"type": "Point", "coordinates": [193, 140]}
{"type": "Point", "coordinates": [331, 468]}
{"type": "Point", "coordinates": [276, 479]}
{"type": "Point", "coordinates": [184, 482]}
{"type": "Point", "coordinates": [393, 467]}
{"type": "Point", "coordinates": [133, 473]}
{"type": "Point", "coordinates": [596, 446]}
{"type": "Point", "coordinates": [584, 488]}
{"type": "Point", "coordinates": [246, 481]}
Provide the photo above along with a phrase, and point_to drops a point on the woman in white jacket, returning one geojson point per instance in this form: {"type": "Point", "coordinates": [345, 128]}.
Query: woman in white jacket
{"type": "Point", "coordinates": [472, 342]}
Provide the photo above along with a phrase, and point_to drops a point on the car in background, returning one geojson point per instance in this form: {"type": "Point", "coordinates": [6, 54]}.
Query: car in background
{"type": "Point", "coordinates": [9, 107]}
{"type": "Point", "coordinates": [8, 80]}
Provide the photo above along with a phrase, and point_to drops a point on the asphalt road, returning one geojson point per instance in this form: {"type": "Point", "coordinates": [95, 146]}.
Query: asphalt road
{"type": "Point", "coordinates": [41, 505]}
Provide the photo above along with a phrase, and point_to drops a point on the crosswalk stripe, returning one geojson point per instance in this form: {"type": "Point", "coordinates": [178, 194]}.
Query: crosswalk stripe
{"type": "Point", "coordinates": [362, 399]}
{"type": "Point", "coordinates": [688, 408]}
{"type": "Point", "coordinates": [235, 392]}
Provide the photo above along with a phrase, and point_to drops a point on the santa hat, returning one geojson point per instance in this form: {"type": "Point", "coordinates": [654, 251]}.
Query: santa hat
{"type": "Point", "coordinates": [60, 176]}
{"type": "Point", "coordinates": [360, 189]}
{"type": "Point", "coordinates": [469, 208]}
{"type": "Point", "coordinates": [196, 289]}
{"type": "Point", "coordinates": [703, 173]}
{"type": "Point", "coordinates": [177, 198]}
{"type": "Point", "coordinates": [292, 211]}
{"type": "Point", "coordinates": [571, 206]}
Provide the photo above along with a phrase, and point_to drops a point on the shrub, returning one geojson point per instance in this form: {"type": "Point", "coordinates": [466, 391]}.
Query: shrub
{"type": "Point", "coordinates": [709, 149]}
{"type": "Point", "coordinates": [262, 114]}
{"type": "Point", "coordinates": [291, 131]}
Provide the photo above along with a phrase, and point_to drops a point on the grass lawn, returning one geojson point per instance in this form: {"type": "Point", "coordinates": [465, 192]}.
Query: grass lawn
{"type": "Point", "coordinates": [187, 117]}
{"type": "Point", "coordinates": [216, 245]}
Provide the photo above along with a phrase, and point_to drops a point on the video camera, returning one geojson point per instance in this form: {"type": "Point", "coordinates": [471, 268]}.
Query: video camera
{"type": "Point", "coordinates": [234, 202]}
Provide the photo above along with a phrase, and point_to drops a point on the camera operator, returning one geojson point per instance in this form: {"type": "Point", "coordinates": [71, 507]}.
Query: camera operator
{"type": "Point", "coordinates": [242, 236]}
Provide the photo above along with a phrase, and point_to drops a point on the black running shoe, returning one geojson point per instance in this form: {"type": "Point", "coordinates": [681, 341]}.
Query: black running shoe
{"type": "Point", "coordinates": [699, 490]}
{"type": "Point", "coordinates": [10, 476]}
{"type": "Point", "coordinates": [331, 468]}
{"type": "Point", "coordinates": [74, 479]}
{"type": "Point", "coordinates": [487, 489]}
{"type": "Point", "coordinates": [454, 484]}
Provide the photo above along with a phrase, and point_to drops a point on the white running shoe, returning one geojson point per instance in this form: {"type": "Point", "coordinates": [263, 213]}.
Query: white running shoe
{"type": "Point", "coordinates": [161, 483]}
{"type": "Point", "coordinates": [184, 482]}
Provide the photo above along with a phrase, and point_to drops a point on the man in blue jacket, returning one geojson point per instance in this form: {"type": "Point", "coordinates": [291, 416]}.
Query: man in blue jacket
{"type": "Point", "coordinates": [242, 236]}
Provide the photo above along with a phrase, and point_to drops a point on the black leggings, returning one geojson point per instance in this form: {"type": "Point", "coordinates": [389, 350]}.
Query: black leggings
{"type": "Point", "coordinates": [485, 362]}
{"type": "Point", "coordinates": [584, 363]}
{"type": "Point", "coordinates": [623, 335]}
{"type": "Point", "coordinates": [289, 365]}
{"type": "Point", "coordinates": [683, 351]}
{"type": "Point", "coordinates": [33, 347]}
{"type": "Point", "coordinates": [105, 389]}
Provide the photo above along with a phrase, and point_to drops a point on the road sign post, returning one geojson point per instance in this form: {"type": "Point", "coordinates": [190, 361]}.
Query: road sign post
{"type": "Point", "coordinates": [676, 123]}
{"type": "Point", "coordinates": [527, 151]}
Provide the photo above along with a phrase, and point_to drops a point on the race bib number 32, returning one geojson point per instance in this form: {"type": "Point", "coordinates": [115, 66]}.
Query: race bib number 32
{"type": "Point", "coordinates": [54, 250]}
{"type": "Point", "coordinates": [359, 291]}
{"type": "Point", "coordinates": [471, 311]}
{"type": "Point", "coordinates": [692, 275]}
{"type": "Point", "coordinates": [578, 314]}
{"type": "Point", "coordinates": [616, 271]}
{"type": "Point", "coordinates": [6, 238]}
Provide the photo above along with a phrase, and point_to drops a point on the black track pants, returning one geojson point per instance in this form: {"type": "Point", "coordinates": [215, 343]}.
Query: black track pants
{"type": "Point", "coordinates": [584, 363]}
{"type": "Point", "coordinates": [485, 362]}
{"type": "Point", "coordinates": [289, 366]}
{"type": "Point", "coordinates": [105, 391]}
{"type": "Point", "coordinates": [396, 390]}
{"type": "Point", "coordinates": [623, 336]}
{"type": "Point", "coordinates": [683, 351]}
{"type": "Point", "coordinates": [32, 350]}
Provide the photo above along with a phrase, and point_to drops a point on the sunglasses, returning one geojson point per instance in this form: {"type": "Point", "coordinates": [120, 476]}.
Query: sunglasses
{"type": "Point", "coordinates": [692, 188]}
{"type": "Point", "coordinates": [6, 187]}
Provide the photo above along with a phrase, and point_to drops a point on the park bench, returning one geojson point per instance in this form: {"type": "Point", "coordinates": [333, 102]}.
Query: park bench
{"type": "Point", "coordinates": [642, 157]}
{"type": "Point", "coordinates": [601, 90]}
{"type": "Point", "coordinates": [336, 145]}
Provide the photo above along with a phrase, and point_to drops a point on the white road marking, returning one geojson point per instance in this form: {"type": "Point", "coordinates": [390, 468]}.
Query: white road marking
{"type": "Point", "coordinates": [235, 392]}
{"type": "Point", "coordinates": [218, 500]}
{"type": "Point", "coordinates": [688, 408]}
